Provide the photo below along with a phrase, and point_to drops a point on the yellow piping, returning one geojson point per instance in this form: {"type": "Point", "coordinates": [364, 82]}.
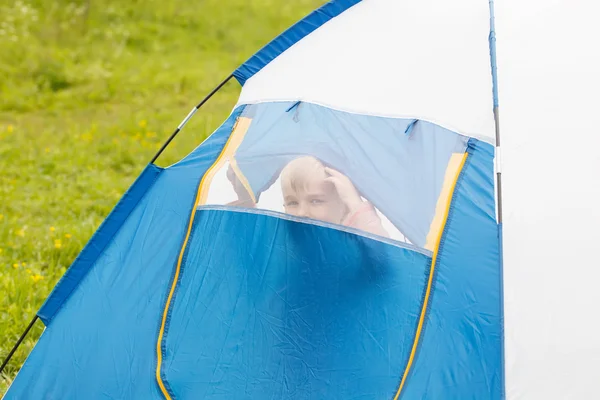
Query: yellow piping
{"type": "Point", "coordinates": [235, 139]}
{"type": "Point", "coordinates": [437, 223]}
{"type": "Point", "coordinates": [429, 282]}
{"type": "Point", "coordinates": [208, 174]}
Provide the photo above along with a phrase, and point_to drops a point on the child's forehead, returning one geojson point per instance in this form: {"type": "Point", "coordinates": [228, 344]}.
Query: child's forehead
{"type": "Point", "coordinates": [304, 166]}
{"type": "Point", "coordinates": [308, 185]}
{"type": "Point", "coordinates": [304, 175]}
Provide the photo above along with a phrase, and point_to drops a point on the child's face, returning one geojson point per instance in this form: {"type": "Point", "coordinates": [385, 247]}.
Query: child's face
{"type": "Point", "coordinates": [313, 197]}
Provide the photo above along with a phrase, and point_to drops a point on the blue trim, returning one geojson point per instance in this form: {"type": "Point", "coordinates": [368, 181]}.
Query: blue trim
{"type": "Point", "coordinates": [98, 243]}
{"type": "Point", "coordinates": [290, 37]}
{"type": "Point", "coordinates": [492, 40]}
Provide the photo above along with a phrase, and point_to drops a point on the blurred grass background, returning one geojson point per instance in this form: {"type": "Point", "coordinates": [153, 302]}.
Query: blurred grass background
{"type": "Point", "coordinates": [89, 92]}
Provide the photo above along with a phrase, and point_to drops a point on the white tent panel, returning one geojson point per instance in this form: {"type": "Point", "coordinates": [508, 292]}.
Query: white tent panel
{"type": "Point", "coordinates": [426, 59]}
{"type": "Point", "coordinates": [549, 86]}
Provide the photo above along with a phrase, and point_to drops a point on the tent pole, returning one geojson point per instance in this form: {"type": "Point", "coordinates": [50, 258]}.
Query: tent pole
{"type": "Point", "coordinates": [16, 346]}
{"type": "Point", "coordinates": [498, 165]}
{"type": "Point", "coordinates": [492, 41]}
{"type": "Point", "coordinates": [188, 117]}
{"type": "Point", "coordinates": [498, 162]}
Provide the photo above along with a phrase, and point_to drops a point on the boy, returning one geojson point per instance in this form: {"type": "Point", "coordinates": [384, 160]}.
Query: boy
{"type": "Point", "coordinates": [312, 190]}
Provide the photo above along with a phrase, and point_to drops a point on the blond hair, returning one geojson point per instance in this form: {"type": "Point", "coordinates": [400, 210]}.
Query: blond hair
{"type": "Point", "coordinates": [298, 172]}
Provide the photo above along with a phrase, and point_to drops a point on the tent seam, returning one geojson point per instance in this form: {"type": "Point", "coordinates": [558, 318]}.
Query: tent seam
{"type": "Point", "coordinates": [177, 274]}
{"type": "Point", "coordinates": [422, 118]}
{"type": "Point", "coordinates": [290, 37]}
{"type": "Point", "coordinates": [433, 269]}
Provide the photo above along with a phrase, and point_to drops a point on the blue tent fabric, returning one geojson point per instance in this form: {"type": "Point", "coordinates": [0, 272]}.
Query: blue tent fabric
{"type": "Point", "coordinates": [272, 308]}
{"type": "Point", "coordinates": [208, 150]}
{"type": "Point", "coordinates": [460, 351]}
{"type": "Point", "coordinates": [98, 243]}
{"type": "Point", "coordinates": [291, 36]}
{"type": "Point", "coordinates": [101, 342]}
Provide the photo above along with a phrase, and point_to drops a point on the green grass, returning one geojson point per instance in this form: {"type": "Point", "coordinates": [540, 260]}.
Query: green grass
{"type": "Point", "coordinates": [89, 91]}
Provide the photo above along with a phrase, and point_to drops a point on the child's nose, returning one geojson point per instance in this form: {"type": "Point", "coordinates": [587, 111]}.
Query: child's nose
{"type": "Point", "coordinates": [302, 211]}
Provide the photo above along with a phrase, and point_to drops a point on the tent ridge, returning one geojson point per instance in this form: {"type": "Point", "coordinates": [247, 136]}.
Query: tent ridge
{"type": "Point", "coordinates": [290, 37]}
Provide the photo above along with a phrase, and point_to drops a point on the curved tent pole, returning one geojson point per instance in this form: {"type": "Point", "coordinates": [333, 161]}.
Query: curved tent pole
{"type": "Point", "coordinates": [163, 147]}
{"type": "Point", "coordinates": [189, 116]}
{"type": "Point", "coordinates": [16, 346]}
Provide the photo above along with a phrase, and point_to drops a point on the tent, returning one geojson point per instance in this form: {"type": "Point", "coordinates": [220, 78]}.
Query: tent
{"type": "Point", "coordinates": [351, 232]}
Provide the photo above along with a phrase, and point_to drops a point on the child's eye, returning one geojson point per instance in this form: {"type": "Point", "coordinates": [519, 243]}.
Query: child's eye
{"type": "Point", "coordinates": [291, 203]}
{"type": "Point", "coordinates": [317, 201]}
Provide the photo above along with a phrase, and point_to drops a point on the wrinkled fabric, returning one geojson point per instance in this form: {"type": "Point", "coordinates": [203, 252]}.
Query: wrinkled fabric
{"type": "Point", "coordinates": [272, 308]}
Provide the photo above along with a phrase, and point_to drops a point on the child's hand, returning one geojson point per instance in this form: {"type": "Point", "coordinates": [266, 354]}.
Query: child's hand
{"type": "Point", "coordinates": [239, 189]}
{"type": "Point", "coordinates": [345, 189]}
